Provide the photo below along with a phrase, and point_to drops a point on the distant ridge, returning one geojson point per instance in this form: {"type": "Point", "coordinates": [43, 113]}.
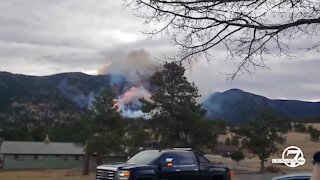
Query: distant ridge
{"type": "Point", "coordinates": [44, 100]}
{"type": "Point", "coordinates": [31, 101]}
{"type": "Point", "coordinates": [238, 106]}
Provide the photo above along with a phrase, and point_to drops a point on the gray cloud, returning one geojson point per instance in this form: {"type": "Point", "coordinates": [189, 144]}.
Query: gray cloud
{"type": "Point", "coordinates": [44, 37]}
{"type": "Point", "coordinates": [297, 79]}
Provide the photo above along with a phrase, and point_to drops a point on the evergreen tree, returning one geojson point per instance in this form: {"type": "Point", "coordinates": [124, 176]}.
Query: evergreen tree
{"type": "Point", "coordinates": [227, 142]}
{"type": "Point", "coordinates": [300, 127]}
{"type": "Point", "coordinates": [107, 129]}
{"type": "Point", "coordinates": [136, 135]}
{"type": "Point", "coordinates": [237, 156]}
{"type": "Point", "coordinates": [314, 133]}
{"type": "Point", "coordinates": [261, 136]}
{"type": "Point", "coordinates": [177, 117]}
{"type": "Point", "coordinates": [234, 141]}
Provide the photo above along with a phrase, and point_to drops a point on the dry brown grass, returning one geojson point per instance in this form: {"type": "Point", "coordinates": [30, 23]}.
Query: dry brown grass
{"type": "Point", "coordinates": [314, 125]}
{"type": "Point", "coordinates": [71, 174]}
{"type": "Point", "coordinates": [301, 140]}
{"type": "Point", "coordinates": [222, 138]}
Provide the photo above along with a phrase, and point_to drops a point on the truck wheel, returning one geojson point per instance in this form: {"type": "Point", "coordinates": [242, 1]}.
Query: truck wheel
{"type": "Point", "coordinates": [148, 178]}
{"type": "Point", "coordinates": [217, 177]}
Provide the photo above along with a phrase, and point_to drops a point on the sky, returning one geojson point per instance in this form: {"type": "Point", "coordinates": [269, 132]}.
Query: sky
{"type": "Point", "coordinates": [43, 37]}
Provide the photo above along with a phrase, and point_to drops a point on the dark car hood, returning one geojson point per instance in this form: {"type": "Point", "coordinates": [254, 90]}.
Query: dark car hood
{"type": "Point", "coordinates": [115, 167]}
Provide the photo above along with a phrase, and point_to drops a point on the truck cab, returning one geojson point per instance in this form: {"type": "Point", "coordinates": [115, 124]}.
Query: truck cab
{"type": "Point", "coordinates": [174, 164]}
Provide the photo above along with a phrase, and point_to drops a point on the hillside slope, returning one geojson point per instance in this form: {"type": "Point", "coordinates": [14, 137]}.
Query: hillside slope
{"type": "Point", "coordinates": [238, 106]}
{"type": "Point", "coordinates": [34, 100]}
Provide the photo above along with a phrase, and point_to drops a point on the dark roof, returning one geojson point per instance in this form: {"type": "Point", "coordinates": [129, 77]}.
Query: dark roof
{"type": "Point", "coordinates": [226, 148]}
{"type": "Point", "coordinates": [23, 147]}
{"type": "Point", "coordinates": [168, 150]}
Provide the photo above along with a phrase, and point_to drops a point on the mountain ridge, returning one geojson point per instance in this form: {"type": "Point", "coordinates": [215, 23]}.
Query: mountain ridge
{"type": "Point", "coordinates": [29, 99]}
{"type": "Point", "coordinates": [245, 105]}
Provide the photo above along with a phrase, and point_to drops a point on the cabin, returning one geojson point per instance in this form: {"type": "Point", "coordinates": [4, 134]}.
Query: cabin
{"type": "Point", "coordinates": [40, 155]}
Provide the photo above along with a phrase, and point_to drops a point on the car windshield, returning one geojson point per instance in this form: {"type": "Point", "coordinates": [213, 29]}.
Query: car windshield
{"type": "Point", "coordinates": [145, 157]}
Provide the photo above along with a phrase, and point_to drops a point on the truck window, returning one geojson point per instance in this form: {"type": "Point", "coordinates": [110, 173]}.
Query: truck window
{"type": "Point", "coordinates": [202, 159]}
{"type": "Point", "coordinates": [145, 157]}
{"type": "Point", "coordinates": [185, 158]}
{"type": "Point", "coordinates": [163, 158]}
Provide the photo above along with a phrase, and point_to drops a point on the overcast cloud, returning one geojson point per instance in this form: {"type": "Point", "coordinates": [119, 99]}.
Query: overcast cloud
{"type": "Point", "coordinates": [42, 37]}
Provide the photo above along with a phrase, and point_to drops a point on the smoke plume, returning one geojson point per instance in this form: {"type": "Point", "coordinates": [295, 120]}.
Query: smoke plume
{"type": "Point", "coordinates": [134, 61]}
{"type": "Point", "coordinates": [137, 68]}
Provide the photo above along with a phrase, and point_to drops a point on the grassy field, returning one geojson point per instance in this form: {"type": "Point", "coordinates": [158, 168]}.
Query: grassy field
{"type": "Point", "coordinates": [73, 174]}
{"type": "Point", "coordinates": [302, 140]}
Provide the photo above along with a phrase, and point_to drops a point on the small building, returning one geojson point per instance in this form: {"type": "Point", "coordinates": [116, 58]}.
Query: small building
{"type": "Point", "coordinates": [224, 149]}
{"type": "Point", "coordinates": [40, 155]}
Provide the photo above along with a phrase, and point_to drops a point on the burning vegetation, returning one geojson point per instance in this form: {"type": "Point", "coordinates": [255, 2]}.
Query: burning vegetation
{"type": "Point", "coordinates": [130, 78]}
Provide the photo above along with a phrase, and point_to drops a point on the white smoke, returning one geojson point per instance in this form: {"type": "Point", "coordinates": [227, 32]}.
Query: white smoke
{"type": "Point", "coordinates": [137, 68]}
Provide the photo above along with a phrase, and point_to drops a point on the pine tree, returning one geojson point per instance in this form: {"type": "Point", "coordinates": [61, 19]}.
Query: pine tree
{"type": "Point", "coordinates": [177, 117]}
{"type": "Point", "coordinates": [237, 156]}
{"type": "Point", "coordinates": [107, 128]}
{"type": "Point", "coordinates": [261, 136]}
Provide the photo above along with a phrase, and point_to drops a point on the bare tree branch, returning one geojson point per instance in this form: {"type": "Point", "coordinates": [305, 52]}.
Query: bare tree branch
{"type": "Point", "coordinates": [249, 29]}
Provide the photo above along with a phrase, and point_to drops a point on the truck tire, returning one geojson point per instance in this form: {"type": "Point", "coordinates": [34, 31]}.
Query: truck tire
{"type": "Point", "coordinates": [146, 178]}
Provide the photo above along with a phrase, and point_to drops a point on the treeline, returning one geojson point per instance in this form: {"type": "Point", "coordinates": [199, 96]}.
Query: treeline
{"type": "Point", "coordinates": [305, 128]}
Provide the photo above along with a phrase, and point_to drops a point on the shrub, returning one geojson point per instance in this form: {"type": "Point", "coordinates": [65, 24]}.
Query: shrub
{"type": "Point", "coordinates": [300, 127]}
{"type": "Point", "coordinates": [237, 156]}
{"type": "Point", "coordinates": [273, 169]}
